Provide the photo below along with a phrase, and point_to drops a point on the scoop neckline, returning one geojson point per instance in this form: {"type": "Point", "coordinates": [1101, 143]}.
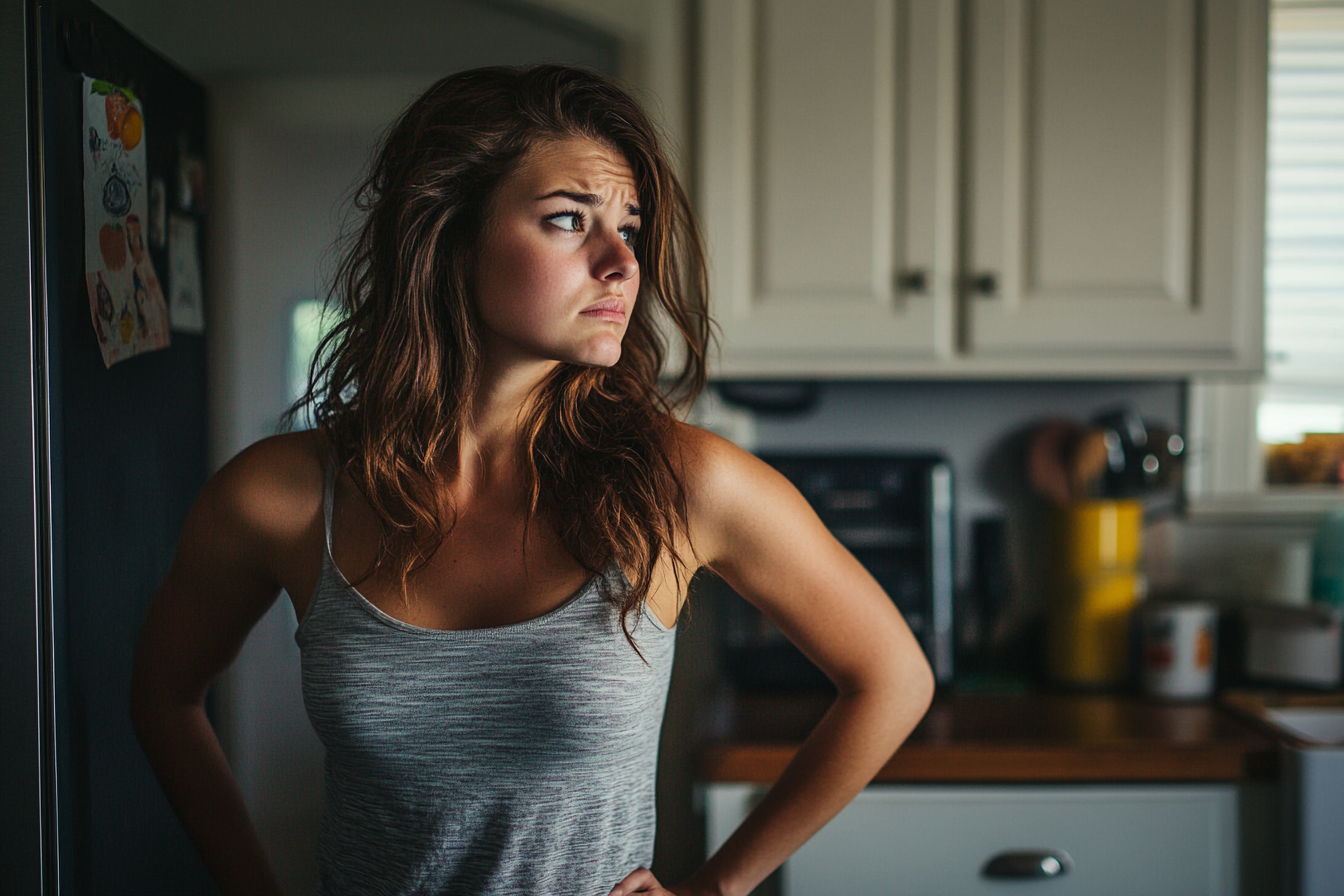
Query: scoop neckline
{"type": "Point", "coordinates": [474, 633]}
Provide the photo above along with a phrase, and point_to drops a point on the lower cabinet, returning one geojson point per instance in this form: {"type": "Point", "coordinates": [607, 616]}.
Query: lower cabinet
{"type": "Point", "coordinates": [1180, 840]}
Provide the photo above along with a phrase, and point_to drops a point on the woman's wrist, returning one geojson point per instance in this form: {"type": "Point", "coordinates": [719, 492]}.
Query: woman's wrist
{"type": "Point", "coordinates": [705, 882]}
{"type": "Point", "coordinates": [689, 889]}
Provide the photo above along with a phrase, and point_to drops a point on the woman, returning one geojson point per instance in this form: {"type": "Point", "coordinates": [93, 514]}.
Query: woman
{"type": "Point", "coordinates": [488, 537]}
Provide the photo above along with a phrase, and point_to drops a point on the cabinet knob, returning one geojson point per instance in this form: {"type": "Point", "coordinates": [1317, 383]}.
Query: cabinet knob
{"type": "Point", "coordinates": [914, 280]}
{"type": "Point", "coordinates": [1028, 863]}
{"type": "Point", "coordinates": [984, 284]}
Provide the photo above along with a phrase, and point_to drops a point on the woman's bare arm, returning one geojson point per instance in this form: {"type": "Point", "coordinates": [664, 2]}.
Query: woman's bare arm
{"type": "Point", "coordinates": [752, 527]}
{"type": "Point", "coordinates": [237, 549]}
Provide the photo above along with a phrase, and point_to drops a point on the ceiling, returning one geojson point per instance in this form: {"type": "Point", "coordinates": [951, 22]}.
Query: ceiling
{"type": "Point", "coordinates": [212, 39]}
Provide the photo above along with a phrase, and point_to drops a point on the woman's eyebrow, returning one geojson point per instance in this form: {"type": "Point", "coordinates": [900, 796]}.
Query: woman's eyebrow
{"type": "Point", "coordinates": [590, 199]}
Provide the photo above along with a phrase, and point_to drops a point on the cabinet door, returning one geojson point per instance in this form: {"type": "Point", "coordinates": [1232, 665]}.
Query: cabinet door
{"type": "Point", "coordinates": [1115, 183]}
{"type": "Point", "coordinates": [828, 175]}
{"type": "Point", "coordinates": [1122, 840]}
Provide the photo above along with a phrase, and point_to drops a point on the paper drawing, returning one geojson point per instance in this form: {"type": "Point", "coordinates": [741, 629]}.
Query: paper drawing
{"type": "Point", "coordinates": [125, 298]}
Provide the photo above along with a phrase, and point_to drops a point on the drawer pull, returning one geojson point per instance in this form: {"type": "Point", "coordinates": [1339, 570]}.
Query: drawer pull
{"type": "Point", "coordinates": [1025, 863]}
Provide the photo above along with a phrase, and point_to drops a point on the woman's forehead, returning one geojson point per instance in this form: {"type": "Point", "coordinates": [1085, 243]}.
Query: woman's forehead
{"type": "Point", "coordinates": [577, 164]}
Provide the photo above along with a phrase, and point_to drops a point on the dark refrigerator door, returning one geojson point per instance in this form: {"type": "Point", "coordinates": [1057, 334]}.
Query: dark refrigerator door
{"type": "Point", "coordinates": [129, 454]}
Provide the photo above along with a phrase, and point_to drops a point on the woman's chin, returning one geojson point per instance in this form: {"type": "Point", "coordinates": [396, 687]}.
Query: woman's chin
{"type": "Point", "coordinates": [606, 361]}
{"type": "Point", "coordinates": [605, 354]}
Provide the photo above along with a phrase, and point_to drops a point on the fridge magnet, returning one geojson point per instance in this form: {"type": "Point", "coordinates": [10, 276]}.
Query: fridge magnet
{"type": "Point", "coordinates": [125, 297]}
{"type": "Point", "coordinates": [158, 206]}
{"type": "Point", "coordinates": [184, 276]}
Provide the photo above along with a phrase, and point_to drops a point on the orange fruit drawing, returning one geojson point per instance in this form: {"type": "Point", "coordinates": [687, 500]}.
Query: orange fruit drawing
{"type": "Point", "coordinates": [112, 243]}
{"type": "Point", "coordinates": [116, 107]}
{"type": "Point", "coordinates": [132, 129]}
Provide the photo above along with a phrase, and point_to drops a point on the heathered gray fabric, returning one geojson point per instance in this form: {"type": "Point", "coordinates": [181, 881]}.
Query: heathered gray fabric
{"type": "Point", "coordinates": [518, 759]}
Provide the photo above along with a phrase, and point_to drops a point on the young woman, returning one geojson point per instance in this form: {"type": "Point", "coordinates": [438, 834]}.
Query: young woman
{"type": "Point", "coordinates": [488, 537]}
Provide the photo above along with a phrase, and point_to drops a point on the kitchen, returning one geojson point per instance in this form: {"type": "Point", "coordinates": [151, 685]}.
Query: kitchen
{"type": "Point", "coordinates": [933, 225]}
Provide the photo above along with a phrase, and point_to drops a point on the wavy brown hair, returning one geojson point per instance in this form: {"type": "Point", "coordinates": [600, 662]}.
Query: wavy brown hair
{"type": "Point", "coordinates": [391, 385]}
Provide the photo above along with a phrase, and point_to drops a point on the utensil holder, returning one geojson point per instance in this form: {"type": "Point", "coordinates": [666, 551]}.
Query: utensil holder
{"type": "Point", "coordinates": [1097, 584]}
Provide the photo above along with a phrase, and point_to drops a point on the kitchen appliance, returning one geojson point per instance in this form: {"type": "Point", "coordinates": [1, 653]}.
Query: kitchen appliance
{"type": "Point", "coordinates": [100, 464]}
{"type": "Point", "coordinates": [894, 513]}
{"type": "Point", "coordinates": [1287, 645]}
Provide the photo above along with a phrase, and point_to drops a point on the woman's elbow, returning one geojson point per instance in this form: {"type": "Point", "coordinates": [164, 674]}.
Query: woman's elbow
{"type": "Point", "coordinates": [920, 683]}
{"type": "Point", "coordinates": [151, 701]}
{"type": "Point", "coordinates": [910, 684]}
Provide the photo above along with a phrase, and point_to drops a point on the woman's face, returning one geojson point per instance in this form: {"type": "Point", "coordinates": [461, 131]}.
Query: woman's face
{"type": "Point", "coordinates": [557, 277]}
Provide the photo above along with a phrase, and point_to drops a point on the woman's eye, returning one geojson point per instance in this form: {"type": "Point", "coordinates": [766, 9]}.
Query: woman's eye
{"type": "Point", "coordinates": [567, 221]}
{"type": "Point", "coordinates": [629, 234]}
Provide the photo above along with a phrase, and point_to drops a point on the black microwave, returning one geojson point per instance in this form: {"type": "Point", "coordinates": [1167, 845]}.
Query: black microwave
{"type": "Point", "coordinates": [894, 514]}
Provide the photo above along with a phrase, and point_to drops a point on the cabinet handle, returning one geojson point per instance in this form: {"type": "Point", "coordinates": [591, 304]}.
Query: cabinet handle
{"type": "Point", "coordinates": [1028, 863]}
{"type": "Point", "coordinates": [985, 284]}
{"type": "Point", "coordinates": [915, 280]}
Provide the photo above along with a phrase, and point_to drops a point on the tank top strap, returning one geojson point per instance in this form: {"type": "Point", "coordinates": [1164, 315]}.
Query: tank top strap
{"type": "Point", "coordinates": [329, 494]}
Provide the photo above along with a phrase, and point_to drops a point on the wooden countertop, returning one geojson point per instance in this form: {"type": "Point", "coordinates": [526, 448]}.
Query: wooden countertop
{"type": "Point", "coordinates": [1030, 738]}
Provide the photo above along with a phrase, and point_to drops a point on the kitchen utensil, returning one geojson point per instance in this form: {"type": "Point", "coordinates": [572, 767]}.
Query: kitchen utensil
{"type": "Point", "coordinates": [1048, 452]}
{"type": "Point", "coordinates": [1129, 462]}
{"type": "Point", "coordinates": [1088, 465]}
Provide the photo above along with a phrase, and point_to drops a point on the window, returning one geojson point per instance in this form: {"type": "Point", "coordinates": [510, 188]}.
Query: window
{"type": "Point", "coordinates": [307, 325]}
{"type": "Point", "coordinates": [1301, 411]}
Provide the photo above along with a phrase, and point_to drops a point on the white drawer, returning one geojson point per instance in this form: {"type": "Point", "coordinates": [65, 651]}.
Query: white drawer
{"type": "Point", "coordinates": [1149, 840]}
{"type": "Point", "coordinates": [926, 841]}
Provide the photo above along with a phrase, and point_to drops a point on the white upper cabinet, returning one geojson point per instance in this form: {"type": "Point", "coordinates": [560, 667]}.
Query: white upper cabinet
{"type": "Point", "coordinates": [827, 175]}
{"type": "Point", "coordinates": [996, 187]}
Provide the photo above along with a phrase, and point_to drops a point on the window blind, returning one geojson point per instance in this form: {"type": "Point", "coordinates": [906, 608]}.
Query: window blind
{"type": "Point", "coordinates": [1304, 251]}
{"type": "Point", "coordinates": [1304, 227]}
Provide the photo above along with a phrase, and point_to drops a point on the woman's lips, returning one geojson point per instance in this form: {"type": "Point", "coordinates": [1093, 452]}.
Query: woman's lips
{"type": "Point", "coordinates": [611, 309]}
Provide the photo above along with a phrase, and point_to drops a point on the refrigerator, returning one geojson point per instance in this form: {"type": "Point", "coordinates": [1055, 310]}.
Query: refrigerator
{"type": "Point", "coordinates": [98, 464]}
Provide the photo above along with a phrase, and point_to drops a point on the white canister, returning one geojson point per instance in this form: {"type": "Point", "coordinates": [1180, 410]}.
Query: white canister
{"type": "Point", "coordinates": [1179, 644]}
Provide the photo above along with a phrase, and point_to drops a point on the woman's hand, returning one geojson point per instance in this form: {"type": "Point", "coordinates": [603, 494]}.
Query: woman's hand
{"type": "Point", "coordinates": [641, 880]}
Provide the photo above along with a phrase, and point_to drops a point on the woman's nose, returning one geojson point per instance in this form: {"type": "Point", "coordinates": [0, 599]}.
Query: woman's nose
{"type": "Point", "coordinates": [616, 260]}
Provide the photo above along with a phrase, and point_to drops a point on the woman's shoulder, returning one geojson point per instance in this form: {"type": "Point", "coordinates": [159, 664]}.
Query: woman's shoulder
{"type": "Point", "coordinates": [700, 453]}
{"type": "Point", "coordinates": [711, 461]}
{"type": "Point", "coordinates": [274, 486]}
{"type": "Point", "coordinates": [723, 483]}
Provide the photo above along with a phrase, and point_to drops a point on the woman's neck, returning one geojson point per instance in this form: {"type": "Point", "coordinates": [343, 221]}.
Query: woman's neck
{"type": "Point", "coordinates": [489, 440]}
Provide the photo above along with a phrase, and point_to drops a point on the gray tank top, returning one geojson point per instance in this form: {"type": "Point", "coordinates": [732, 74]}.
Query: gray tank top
{"type": "Point", "coordinates": [518, 759]}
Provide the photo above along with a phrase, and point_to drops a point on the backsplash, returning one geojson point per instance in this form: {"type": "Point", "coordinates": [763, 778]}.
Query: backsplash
{"type": "Point", "coordinates": [981, 427]}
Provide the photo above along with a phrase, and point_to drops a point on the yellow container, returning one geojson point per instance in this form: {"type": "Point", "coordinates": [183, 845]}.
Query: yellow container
{"type": "Point", "coordinates": [1097, 584]}
{"type": "Point", "coordinates": [1098, 535]}
{"type": "Point", "coordinates": [1088, 634]}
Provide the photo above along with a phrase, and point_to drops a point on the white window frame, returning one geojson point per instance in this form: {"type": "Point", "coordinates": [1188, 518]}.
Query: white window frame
{"type": "Point", "coordinates": [1225, 476]}
{"type": "Point", "coordinates": [1225, 472]}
